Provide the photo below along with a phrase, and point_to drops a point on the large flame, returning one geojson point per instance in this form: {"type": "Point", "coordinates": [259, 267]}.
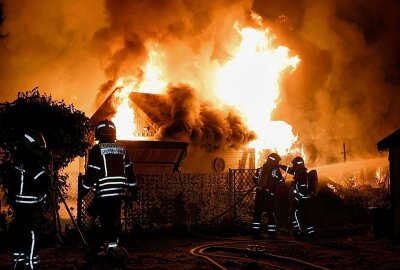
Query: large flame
{"type": "Point", "coordinates": [125, 114]}
{"type": "Point", "coordinates": [250, 82]}
{"type": "Point", "coordinates": [150, 83]}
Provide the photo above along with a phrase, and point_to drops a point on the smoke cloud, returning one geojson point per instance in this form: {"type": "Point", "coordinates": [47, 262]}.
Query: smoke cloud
{"type": "Point", "coordinates": [347, 86]}
{"type": "Point", "coordinates": [48, 44]}
{"type": "Point", "coordinates": [201, 124]}
{"type": "Point", "coordinates": [345, 89]}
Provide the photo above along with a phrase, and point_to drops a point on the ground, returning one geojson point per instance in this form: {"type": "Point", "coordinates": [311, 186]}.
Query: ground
{"type": "Point", "coordinates": [361, 250]}
{"type": "Point", "coordinates": [351, 235]}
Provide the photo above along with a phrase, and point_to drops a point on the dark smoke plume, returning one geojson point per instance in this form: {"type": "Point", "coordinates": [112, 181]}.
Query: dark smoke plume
{"type": "Point", "coordinates": [2, 35]}
{"type": "Point", "coordinates": [201, 124]}
{"type": "Point", "coordinates": [345, 89]}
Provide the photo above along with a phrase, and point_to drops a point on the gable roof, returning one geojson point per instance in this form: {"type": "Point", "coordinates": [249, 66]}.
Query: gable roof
{"type": "Point", "coordinates": [148, 157]}
{"type": "Point", "coordinates": [391, 140]}
{"type": "Point", "coordinates": [104, 111]}
{"type": "Point", "coordinates": [153, 108]}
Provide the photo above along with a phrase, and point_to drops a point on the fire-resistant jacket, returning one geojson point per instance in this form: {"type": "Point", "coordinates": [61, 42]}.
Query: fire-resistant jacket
{"type": "Point", "coordinates": [109, 170]}
{"type": "Point", "coordinates": [26, 184]}
{"type": "Point", "coordinates": [269, 178]}
{"type": "Point", "coordinates": [301, 185]}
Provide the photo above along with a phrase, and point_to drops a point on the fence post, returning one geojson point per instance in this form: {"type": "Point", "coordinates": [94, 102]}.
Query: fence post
{"type": "Point", "coordinates": [231, 192]}
{"type": "Point", "coordinates": [79, 201]}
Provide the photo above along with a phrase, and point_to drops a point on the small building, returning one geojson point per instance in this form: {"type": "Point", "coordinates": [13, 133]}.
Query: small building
{"type": "Point", "coordinates": [392, 143]}
{"type": "Point", "coordinates": [151, 111]}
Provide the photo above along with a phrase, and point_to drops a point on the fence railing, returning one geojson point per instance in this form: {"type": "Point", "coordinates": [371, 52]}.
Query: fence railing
{"type": "Point", "coordinates": [181, 199]}
{"type": "Point", "coordinates": [172, 199]}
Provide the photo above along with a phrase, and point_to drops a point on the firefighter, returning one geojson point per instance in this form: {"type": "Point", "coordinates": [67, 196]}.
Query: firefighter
{"type": "Point", "coordinates": [27, 184]}
{"type": "Point", "coordinates": [304, 189]}
{"type": "Point", "coordinates": [267, 179]}
{"type": "Point", "coordinates": [110, 174]}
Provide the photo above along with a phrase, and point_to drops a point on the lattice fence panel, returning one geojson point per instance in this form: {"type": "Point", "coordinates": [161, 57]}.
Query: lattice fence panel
{"type": "Point", "coordinates": [244, 193]}
{"type": "Point", "coordinates": [184, 199]}
{"type": "Point", "coordinates": [179, 199]}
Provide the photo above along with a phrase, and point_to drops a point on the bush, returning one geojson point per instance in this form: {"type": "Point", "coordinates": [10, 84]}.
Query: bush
{"type": "Point", "coordinates": [65, 128]}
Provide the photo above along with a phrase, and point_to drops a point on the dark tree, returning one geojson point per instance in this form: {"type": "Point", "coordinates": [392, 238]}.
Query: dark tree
{"type": "Point", "coordinates": [65, 129]}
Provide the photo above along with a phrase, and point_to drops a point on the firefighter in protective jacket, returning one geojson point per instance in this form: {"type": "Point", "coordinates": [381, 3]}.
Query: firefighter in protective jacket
{"type": "Point", "coordinates": [304, 189]}
{"type": "Point", "coordinates": [110, 173]}
{"type": "Point", "coordinates": [27, 185]}
{"type": "Point", "coordinates": [267, 180]}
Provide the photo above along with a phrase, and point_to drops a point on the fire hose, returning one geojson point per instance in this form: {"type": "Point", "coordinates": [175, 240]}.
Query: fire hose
{"type": "Point", "coordinates": [201, 251]}
{"type": "Point", "coordinates": [241, 199]}
{"type": "Point", "coordinates": [254, 254]}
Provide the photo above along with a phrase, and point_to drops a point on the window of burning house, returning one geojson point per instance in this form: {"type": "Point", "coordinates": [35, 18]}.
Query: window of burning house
{"type": "Point", "coordinates": [143, 128]}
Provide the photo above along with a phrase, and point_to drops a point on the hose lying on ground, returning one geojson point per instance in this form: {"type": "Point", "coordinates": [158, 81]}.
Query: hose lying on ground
{"type": "Point", "coordinates": [200, 251]}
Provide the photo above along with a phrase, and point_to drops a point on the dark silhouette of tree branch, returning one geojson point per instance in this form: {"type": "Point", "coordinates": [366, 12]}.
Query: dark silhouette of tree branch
{"type": "Point", "coordinates": [65, 128]}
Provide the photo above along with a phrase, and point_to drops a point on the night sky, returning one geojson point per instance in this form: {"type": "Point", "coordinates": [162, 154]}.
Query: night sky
{"type": "Point", "coordinates": [345, 90]}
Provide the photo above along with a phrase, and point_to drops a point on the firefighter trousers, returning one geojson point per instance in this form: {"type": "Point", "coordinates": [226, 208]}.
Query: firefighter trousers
{"type": "Point", "coordinates": [25, 237]}
{"type": "Point", "coordinates": [303, 217]}
{"type": "Point", "coordinates": [110, 219]}
{"type": "Point", "coordinates": [264, 202]}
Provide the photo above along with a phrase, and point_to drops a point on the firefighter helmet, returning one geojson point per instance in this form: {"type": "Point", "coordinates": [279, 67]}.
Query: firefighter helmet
{"type": "Point", "coordinates": [105, 131]}
{"type": "Point", "coordinates": [32, 142]}
{"type": "Point", "coordinates": [297, 162]}
{"type": "Point", "coordinates": [274, 157]}
{"type": "Point", "coordinates": [33, 139]}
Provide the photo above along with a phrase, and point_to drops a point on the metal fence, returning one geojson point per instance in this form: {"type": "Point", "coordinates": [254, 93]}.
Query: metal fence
{"type": "Point", "coordinates": [168, 199]}
{"type": "Point", "coordinates": [171, 199]}
{"type": "Point", "coordinates": [182, 199]}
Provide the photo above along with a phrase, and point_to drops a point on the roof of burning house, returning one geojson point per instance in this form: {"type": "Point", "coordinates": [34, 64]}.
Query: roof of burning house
{"type": "Point", "coordinates": [154, 157]}
{"type": "Point", "coordinates": [148, 157]}
{"type": "Point", "coordinates": [105, 111]}
{"type": "Point", "coordinates": [153, 107]}
{"type": "Point", "coordinates": [391, 140]}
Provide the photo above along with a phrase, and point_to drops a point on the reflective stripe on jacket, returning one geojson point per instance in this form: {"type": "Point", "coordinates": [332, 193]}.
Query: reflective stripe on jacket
{"type": "Point", "coordinates": [27, 184]}
{"type": "Point", "coordinates": [109, 170]}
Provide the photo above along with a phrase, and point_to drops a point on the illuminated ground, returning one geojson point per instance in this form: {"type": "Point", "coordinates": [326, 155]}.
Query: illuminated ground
{"type": "Point", "coordinates": [345, 240]}
{"type": "Point", "coordinates": [361, 251]}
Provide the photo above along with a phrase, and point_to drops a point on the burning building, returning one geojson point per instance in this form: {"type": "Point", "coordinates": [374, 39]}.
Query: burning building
{"type": "Point", "coordinates": [159, 141]}
{"type": "Point", "coordinates": [226, 117]}
{"type": "Point", "coordinates": [337, 93]}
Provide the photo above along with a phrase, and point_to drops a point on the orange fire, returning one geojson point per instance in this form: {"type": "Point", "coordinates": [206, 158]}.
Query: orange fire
{"type": "Point", "coordinates": [125, 114]}
{"type": "Point", "coordinates": [151, 83]}
{"type": "Point", "coordinates": [249, 81]}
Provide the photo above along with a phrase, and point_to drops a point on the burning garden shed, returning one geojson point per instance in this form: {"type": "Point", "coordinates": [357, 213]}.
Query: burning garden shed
{"type": "Point", "coordinates": [162, 140]}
